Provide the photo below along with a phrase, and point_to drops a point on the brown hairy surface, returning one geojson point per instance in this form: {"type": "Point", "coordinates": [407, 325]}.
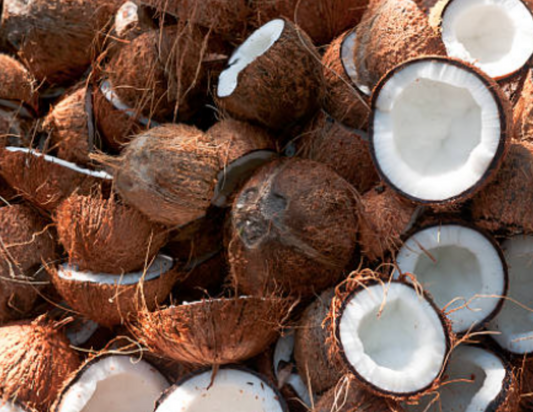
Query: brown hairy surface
{"type": "Point", "coordinates": [16, 83]}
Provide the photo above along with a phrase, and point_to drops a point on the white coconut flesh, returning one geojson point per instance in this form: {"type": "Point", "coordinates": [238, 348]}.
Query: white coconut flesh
{"type": "Point", "coordinates": [254, 47]}
{"type": "Point", "coordinates": [461, 269]}
{"type": "Point", "coordinates": [161, 265]}
{"type": "Point", "coordinates": [114, 383]}
{"type": "Point", "coordinates": [347, 53]}
{"type": "Point", "coordinates": [232, 390]}
{"type": "Point", "coordinates": [475, 378]}
{"type": "Point", "coordinates": [514, 322]}
{"type": "Point", "coordinates": [80, 331]}
{"type": "Point", "coordinates": [127, 16]}
{"type": "Point", "coordinates": [436, 129]}
{"type": "Point", "coordinates": [11, 407]}
{"type": "Point", "coordinates": [494, 35]}
{"type": "Point", "coordinates": [393, 338]}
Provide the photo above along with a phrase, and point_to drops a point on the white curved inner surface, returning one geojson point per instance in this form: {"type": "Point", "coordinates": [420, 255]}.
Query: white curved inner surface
{"type": "Point", "coordinates": [461, 270]}
{"type": "Point", "coordinates": [477, 375]}
{"type": "Point", "coordinates": [515, 320]}
{"type": "Point", "coordinates": [6, 406]}
{"type": "Point", "coordinates": [494, 35]}
{"type": "Point", "coordinates": [347, 56]}
{"type": "Point", "coordinates": [161, 265]}
{"type": "Point", "coordinates": [255, 46]}
{"type": "Point", "coordinates": [232, 390]}
{"type": "Point", "coordinates": [436, 130]}
{"type": "Point", "coordinates": [115, 384]}
{"type": "Point", "coordinates": [400, 349]}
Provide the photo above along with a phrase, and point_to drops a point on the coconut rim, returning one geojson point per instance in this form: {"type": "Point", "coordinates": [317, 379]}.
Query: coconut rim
{"type": "Point", "coordinates": [373, 388]}
{"type": "Point", "coordinates": [497, 158]}
{"type": "Point", "coordinates": [347, 65]}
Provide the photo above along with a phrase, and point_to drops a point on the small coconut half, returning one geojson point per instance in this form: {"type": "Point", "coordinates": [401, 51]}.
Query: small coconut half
{"type": "Point", "coordinates": [490, 34]}
{"type": "Point", "coordinates": [439, 129]}
{"type": "Point", "coordinates": [461, 267]}
{"type": "Point", "coordinates": [238, 390]}
{"type": "Point", "coordinates": [118, 383]}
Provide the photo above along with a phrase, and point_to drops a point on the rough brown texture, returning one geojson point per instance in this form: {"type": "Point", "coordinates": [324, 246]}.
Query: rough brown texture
{"type": "Point", "coordinates": [16, 83]}
{"type": "Point", "coordinates": [293, 226]}
{"type": "Point", "coordinates": [344, 150]}
{"type": "Point", "coordinates": [523, 112]}
{"type": "Point", "coordinates": [524, 373]}
{"type": "Point", "coordinates": [35, 361]}
{"type": "Point", "coordinates": [14, 129]}
{"type": "Point", "coordinates": [103, 235]}
{"type": "Point", "coordinates": [282, 86]}
{"type": "Point", "coordinates": [344, 102]}
{"type": "Point", "coordinates": [213, 331]}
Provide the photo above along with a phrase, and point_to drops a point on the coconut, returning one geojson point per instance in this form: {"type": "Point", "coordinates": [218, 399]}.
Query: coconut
{"type": "Point", "coordinates": [14, 407]}
{"type": "Point", "coordinates": [523, 112]}
{"type": "Point", "coordinates": [103, 235]}
{"type": "Point", "coordinates": [492, 35]}
{"type": "Point", "coordinates": [344, 101]}
{"type": "Point", "coordinates": [131, 20]}
{"type": "Point", "coordinates": [213, 331]}
{"type": "Point", "coordinates": [524, 372]}
{"type": "Point", "coordinates": [34, 352]}
{"type": "Point", "coordinates": [431, 155]}
{"type": "Point", "coordinates": [18, 86]}
{"type": "Point", "coordinates": [274, 78]}
{"type": "Point", "coordinates": [46, 180]}
{"type": "Point", "coordinates": [390, 33]}
{"type": "Point", "coordinates": [346, 151]}
{"type": "Point", "coordinates": [112, 382]}
{"type": "Point", "coordinates": [56, 40]}
{"type": "Point", "coordinates": [463, 269]}
{"type": "Point", "coordinates": [476, 380]}
{"type": "Point", "coordinates": [293, 226]}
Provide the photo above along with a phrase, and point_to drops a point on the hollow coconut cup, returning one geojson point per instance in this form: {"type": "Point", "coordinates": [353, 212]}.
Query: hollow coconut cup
{"type": "Point", "coordinates": [38, 352]}
{"type": "Point", "coordinates": [112, 300]}
{"type": "Point", "coordinates": [262, 85]}
{"type": "Point", "coordinates": [292, 228]}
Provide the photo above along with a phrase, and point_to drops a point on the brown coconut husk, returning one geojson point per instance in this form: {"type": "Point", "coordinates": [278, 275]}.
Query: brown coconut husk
{"type": "Point", "coordinates": [35, 361]}
{"type": "Point", "coordinates": [213, 331]}
{"type": "Point", "coordinates": [103, 235]}
{"type": "Point", "coordinates": [523, 112]}
{"type": "Point", "coordinates": [344, 101]}
{"type": "Point", "coordinates": [293, 227]}
{"type": "Point", "coordinates": [17, 84]}
{"type": "Point", "coordinates": [345, 150]}
{"type": "Point", "coordinates": [524, 374]}
{"type": "Point", "coordinates": [292, 91]}
{"type": "Point", "coordinates": [322, 20]}
{"type": "Point", "coordinates": [15, 130]}
{"type": "Point", "coordinates": [7, 193]}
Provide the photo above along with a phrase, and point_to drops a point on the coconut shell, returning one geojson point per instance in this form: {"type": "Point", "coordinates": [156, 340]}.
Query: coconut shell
{"type": "Point", "coordinates": [16, 83]}
{"type": "Point", "coordinates": [523, 112]}
{"type": "Point", "coordinates": [103, 235]}
{"type": "Point", "coordinates": [525, 375]}
{"type": "Point", "coordinates": [327, 141]}
{"type": "Point", "coordinates": [280, 87]}
{"type": "Point", "coordinates": [293, 227]}
{"type": "Point", "coordinates": [35, 361]}
{"type": "Point", "coordinates": [213, 331]}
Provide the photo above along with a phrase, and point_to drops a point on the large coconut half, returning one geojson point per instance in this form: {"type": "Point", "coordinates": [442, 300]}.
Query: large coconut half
{"type": "Point", "coordinates": [238, 390]}
{"type": "Point", "coordinates": [461, 267]}
{"type": "Point", "coordinates": [439, 129]}
{"type": "Point", "coordinates": [118, 383]}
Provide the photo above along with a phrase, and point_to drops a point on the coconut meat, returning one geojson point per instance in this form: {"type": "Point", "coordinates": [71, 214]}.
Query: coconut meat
{"type": "Point", "coordinates": [461, 269]}
{"type": "Point", "coordinates": [347, 57]}
{"type": "Point", "coordinates": [393, 338]}
{"type": "Point", "coordinates": [436, 129]}
{"type": "Point", "coordinates": [255, 46]}
{"type": "Point", "coordinates": [114, 383]}
{"type": "Point", "coordinates": [514, 322]}
{"type": "Point", "coordinates": [491, 34]}
{"type": "Point", "coordinates": [232, 389]}
{"type": "Point", "coordinates": [6, 406]}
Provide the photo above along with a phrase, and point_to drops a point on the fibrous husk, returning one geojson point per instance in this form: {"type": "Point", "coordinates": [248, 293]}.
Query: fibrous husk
{"type": "Point", "coordinates": [282, 86]}
{"type": "Point", "coordinates": [345, 150]}
{"type": "Point", "coordinates": [35, 361]}
{"type": "Point", "coordinates": [16, 84]}
{"type": "Point", "coordinates": [344, 101]}
{"type": "Point", "coordinates": [103, 235]}
{"type": "Point", "coordinates": [15, 129]}
{"type": "Point", "coordinates": [213, 331]}
{"type": "Point", "coordinates": [293, 226]}
{"type": "Point", "coordinates": [525, 377]}
{"type": "Point", "coordinates": [322, 20]}
{"type": "Point", "coordinates": [523, 112]}
{"type": "Point", "coordinates": [56, 40]}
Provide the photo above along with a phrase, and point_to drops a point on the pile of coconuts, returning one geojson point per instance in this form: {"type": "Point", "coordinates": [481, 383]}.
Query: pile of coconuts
{"type": "Point", "coordinates": [266, 206]}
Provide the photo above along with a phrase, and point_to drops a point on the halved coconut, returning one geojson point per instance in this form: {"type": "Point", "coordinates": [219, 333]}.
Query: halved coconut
{"type": "Point", "coordinates": [238, 390]}
{"type": "Point", "coordinates": [476, 380]}
{"type": "Point", "coordinates": [461, 267]}
{"type": "Point", "coordinates": [393, 339]}
{"type": "Point", "coordinates": [213, 331]}
{"type": "Point", "coordinates": [490, 34]}
{"type": "Point", "coordinates": [46, 180]}
{"type": "Point", "coordinates": [116, 383]}
{"type": "Point", "coordinates": [274, 78]}
{"type": "Point", "coordinates": [109, 299]}
{"type": "Point", "coordinates": [439, 129]}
